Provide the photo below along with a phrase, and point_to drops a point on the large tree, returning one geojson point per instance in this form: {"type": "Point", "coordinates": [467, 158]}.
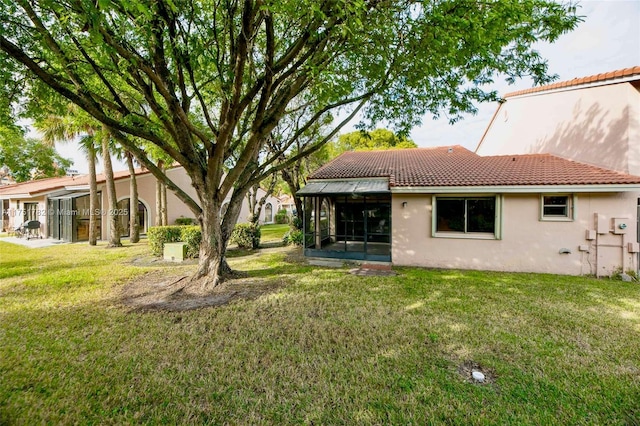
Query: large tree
{"type": "Point", "coordinates": [207, 82]}
{"type": "Point", "coordinates": [24, 158]}
{"type": "Point", "coordinates": [369, 140]}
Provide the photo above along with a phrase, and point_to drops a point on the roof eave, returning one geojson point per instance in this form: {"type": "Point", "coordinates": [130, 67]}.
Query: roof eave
{"type": "Point", "coordinates": [515, 189]}
{"type": "Point", "coordinates": [533, 92]}
{"type": "Point", "coordinates": [14, 196]}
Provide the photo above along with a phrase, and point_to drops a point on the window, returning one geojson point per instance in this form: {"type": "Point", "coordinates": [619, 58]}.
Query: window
{"type": "Point", "coordinates": [556, 207]}
{"type": "Point", "coordinates": [466, 216]}
{"type": "Point", "coordinates": [30, 211]}
{"type": "Point", "coordinates": [268, 213]}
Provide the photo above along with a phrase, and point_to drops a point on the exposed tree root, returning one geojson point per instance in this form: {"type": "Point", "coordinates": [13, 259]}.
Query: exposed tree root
{"type": "Point", "coordinates": [156, 291]}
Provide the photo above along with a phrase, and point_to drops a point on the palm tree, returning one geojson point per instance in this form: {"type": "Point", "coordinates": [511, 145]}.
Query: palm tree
{"type": "Point", "coordinates": [112, 199]}
{"type": "Point", "coordinates": [64, 128]}
{"type": "Point", "coordinates": [134, 226]}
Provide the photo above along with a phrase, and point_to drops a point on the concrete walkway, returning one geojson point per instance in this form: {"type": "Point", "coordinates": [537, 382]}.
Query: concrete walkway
{"type": "Point", "coordinates": [33, 242]}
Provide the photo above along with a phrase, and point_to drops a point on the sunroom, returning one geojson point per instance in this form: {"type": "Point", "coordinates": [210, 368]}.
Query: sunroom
{"type": "Point", "coordinates": [348, 219]}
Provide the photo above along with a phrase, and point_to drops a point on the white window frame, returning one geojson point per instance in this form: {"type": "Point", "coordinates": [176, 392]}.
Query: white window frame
{"type": "Point", "coordinates": [571, 209]}
{"type": "Point", "coordinates": [495, 235]}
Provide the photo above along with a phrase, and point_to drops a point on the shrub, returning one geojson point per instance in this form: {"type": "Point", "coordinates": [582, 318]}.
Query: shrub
{"type": "Point", "coordinates": [246, 235]}
{"type": "Point", "coordinates": [159, 235]}
{"type": "Point", "coordinates": [293, 236]}
{"type": "Point", "coordinates": [185, 221]}
{"type": "Point", "coordinates": [282, 217]}
{"type": "Point", "coordinates": [296, 222]}
{"type": "Point", "coordinates": [192, 235]}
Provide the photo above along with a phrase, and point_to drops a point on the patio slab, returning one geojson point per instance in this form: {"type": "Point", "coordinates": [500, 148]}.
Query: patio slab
{"type": "Point", "coordinates": [33, 242]}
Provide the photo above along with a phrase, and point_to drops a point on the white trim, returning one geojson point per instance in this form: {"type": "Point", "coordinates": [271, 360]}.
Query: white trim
{"type": "Point", "coordinates": [571, 209]}
{"type": "Point", "coordinates": [77, 188]}
{"type": "Point", "coordinates": [497, 223]}
{"type": "Point", "coordinates": [147, 212]}
{"type": "Point", "coordinates": [18, 196]}
{"type": "Point", "coordinates": [358, 179]}
{"type": "Point", "coordinates": [516, 189]}
{"type": "Point", "coordinates": [609, 82]}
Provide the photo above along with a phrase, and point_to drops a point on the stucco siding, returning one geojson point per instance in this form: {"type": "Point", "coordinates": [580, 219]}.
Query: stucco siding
{"type": "Point", "coordinates": [175, 207]}
{"type": "Point", "coordinates": [595, 125]}
{"type": "Point", "coordinates": [16, 212]}
{"type": "Point", "coordinates": [527, 243]}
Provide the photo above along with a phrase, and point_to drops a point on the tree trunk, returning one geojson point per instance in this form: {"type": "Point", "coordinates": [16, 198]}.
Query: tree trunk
{"type": "Point", "coordinates": [158, 221]}
{"type": "Point", "coordinates": [163, 205]}
{"type": "Point", "coordinates": [252, 199]}
{"type": "Point", "coordinates": [94, 203]}
{"type": "Point", "coordinates": [134, 226]}
{"type": "Point", "coordinates": [114, 223]}
{"type": "Point", "coordinates": [294, 187]}
{"type": "Point", "coordinates": [216, 231]}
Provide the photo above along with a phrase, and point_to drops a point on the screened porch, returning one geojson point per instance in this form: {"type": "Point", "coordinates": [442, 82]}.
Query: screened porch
{"type": "Point", "coordinates": [348, 220]}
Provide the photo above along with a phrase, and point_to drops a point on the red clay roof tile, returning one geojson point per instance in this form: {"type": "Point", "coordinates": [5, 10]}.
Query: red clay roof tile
{"type": "Point", "coordinates": [457, 166]}
{"type": "Point", "coordinates": [611, 75]}
{"type": "Point", "coordinates": [51, 184]}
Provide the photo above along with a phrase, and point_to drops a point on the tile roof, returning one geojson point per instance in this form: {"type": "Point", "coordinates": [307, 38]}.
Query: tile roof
{"type": "Point", "coordinates": [35, 187]}
{"type": "Point", "coordinates": [457, 166]}
{"type": "Point", "coordinates": [597, 78]}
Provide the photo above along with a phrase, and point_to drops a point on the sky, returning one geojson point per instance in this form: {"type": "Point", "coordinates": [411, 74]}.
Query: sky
{"type": "Point", "coordinates": [607, 40]}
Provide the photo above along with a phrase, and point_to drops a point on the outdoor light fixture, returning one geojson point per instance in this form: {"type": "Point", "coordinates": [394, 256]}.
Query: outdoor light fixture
{"type": "Point", "coordinates": [404, 204]}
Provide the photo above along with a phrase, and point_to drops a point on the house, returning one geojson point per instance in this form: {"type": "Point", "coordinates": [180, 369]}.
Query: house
{"type": "Point", "coordinates": [448, 207]}
{"type": "Point", "coordinates": [594, 120]}
{"type": "Point", "coordinates": [62, 204]}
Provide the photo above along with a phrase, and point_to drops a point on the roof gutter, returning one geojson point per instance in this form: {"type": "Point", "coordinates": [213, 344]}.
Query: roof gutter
{"type": "Point", "coordinates": [569, 87]}
{"type": "Point", "coordinates": [516, 189]}
{"type": "Point", "coordinates": [14, 196]}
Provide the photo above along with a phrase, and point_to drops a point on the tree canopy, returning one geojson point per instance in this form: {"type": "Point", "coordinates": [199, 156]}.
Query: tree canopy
{"type": "Point", "coordinates": [208, 82]}
{"type": "Point", "coordinates": [364, 141]}
{"type": "Point", "coordinates": [26, 158]}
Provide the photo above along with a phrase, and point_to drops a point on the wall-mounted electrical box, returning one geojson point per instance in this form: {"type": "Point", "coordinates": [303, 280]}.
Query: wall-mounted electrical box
{"type": "Point", "coordinates": [583, 247]}
{"type": "Point", "coordinates": [590, 235]}
{"type": "Point", "coordinates": [633, 247]}
{"type": "Point", "coordinates": [620, 225]}
{"type": "Point", "coordinates": [602, 225]}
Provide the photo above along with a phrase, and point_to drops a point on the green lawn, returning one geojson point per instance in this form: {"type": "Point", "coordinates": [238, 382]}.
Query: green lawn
{"type": "Point", "coordinates": [326, 348]}
{"type": "Point", "coordinates": [273, 233]}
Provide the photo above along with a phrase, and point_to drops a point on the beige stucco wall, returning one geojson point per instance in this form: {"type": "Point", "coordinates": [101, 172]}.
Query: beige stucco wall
{"type": "Point", "coordinates": [527, 245]}
{"type": "Point", "coordinates": [595, 125]}
{"type": "Point", "coordinates": [16, 212]}
{"type": "Point", "coordinates": [175, 207]}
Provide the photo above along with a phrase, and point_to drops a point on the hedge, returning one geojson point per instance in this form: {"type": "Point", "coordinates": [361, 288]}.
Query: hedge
{"type": "Point", "coordinates": [185, 221]}
{"type": "Point", "coordinates": [159, 235]}
{"type": "Point", "coordinates": [245, 235]}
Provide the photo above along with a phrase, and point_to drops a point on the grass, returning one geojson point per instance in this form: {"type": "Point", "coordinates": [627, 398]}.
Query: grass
{"type": "Point", "coordinates": [327, 348]}
{"type": "Point", "coordinates": [273, 233]}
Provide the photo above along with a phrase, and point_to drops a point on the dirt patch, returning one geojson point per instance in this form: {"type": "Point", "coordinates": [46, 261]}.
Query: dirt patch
{"type": "Point", "coordinates": [159, 291]}
{"type": "Point", "coordinates": [468, 367]}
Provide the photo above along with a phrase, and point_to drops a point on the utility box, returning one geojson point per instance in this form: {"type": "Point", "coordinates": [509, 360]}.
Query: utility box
{"type": "Point", "coordinates": [175, 252]}
{"type": "Point", "coordinates": [620, 225]}
{"type": "Point", "coordinates": [590, 235]}
{"type": "Point", "coordinates": [633, 247]}
{"type": "Point", "coordinates": [602, 225]}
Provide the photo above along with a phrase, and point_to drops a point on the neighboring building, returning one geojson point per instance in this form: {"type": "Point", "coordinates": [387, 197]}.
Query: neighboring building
{"type": "Point", "coordinates": [62, 204]}
{"type": "Point", "coordinates": [448, 207]}
{"type": "Point", "coordinates": [287, 203]}
{"type": "Point", "coordinates": [595, 120]}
